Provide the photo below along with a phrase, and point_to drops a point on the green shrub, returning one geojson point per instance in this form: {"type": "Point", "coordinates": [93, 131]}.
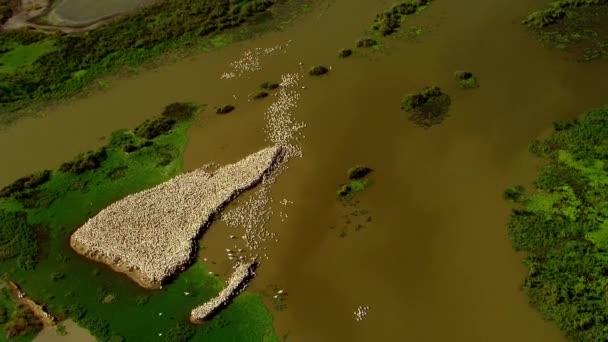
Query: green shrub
{"type": "Point", "coordinates": [17, 239]}
{"type": "Point", "coordinates": [366, 42]}
{"type": "Point", "coordinates": [22, 322]}
{"type": "Point", "coordinates": [345, 53]}
{"type": "Point", "coordinates": [3, 314]}
{"type": "Point", "coordinates": [84, 162]}
{"type": "Point", "coordinates": [358, 172]}
{"type": "Point", "coordinates": [466, 79]}
{"type": "Point", "coordinates": [151, 129]}
{"type": "Point", "coordinates": [260, 95]}
{"type": "Point", "coordinates": [26, 183]}
{"type": "Point", "coordinates": [180, 333]}
{"type": "Point", "coordinates": [269, 85]}
{"type": "Point", "coordinates": [562, 228]}
{"type": "Point", "coordinates": [389, 21]}
{"type": "Point", "coordinates": [318, 70]}
{"type": "Point", "coordinates": [56, 276]}
{"type": "Point", "coordinates": [427, 107]}
{"type": "Point", "coordinates": [131, 40]}
{"type": "Point", "coordinates": [225, 109]}
{"type": "Point", "coordinates": [179, 111]}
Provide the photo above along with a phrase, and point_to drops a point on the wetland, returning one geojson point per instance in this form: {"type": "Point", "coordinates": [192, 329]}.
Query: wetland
{"type": "Point", "coordinates": [423, 252]}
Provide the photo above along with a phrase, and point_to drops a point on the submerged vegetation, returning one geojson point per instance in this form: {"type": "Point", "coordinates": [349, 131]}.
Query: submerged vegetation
{"type": "Point", "coordinates": [260, 95]}
{"type": "Point", "coordinates": [70, 62]}
{"type": "Point", "coordinates": [428, 107]}
{"type": "Point", "coordinates": [366, 42]}
{"type": "Point", "coordinates": [388, 22]}
{"type": "Point", "coordinates": [269, 85]}
{"type": "Point", "coordinates": [345, 53]}
{"type": "Point", "coordinates": [224, 109]}
{"type": "Point", "coordinates": [466, 79]}
{"type": "Point", "coordinates": [358, 181]}
{"type": "Point", "coordinates": [318, 70]}
{"type": "Point", "coordinates": [577, 25]}
{"type": "Point", "coordinates": [563, 227]}
{"type": "Point", "coordinates": [36, 256]}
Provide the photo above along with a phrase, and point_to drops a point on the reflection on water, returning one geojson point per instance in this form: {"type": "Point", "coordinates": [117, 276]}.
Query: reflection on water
{"type": "Point", "coordinates": [434, 263]}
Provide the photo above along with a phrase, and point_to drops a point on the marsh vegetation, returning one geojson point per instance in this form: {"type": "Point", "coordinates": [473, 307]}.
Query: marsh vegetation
{"type": "Point", "coordinates": [60, 65]}
{"type": "Point", "coordinates": [466, 79]}
{"type": "Point", "coordinates": [562, 227]}
{"type": "Point", "coordinates": [579, 26]}
{"type": "Point", "coordinates": [91, 294]}
{"type": "Point", "coordinates": [389, 21]}
{"type": "Point", "coordinates": [427, 107]}
{"type": "Point", "coordinates": [318, 70]}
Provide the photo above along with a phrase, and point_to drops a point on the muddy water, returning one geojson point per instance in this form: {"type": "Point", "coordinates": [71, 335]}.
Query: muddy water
{"type": "Point", "coordinates": [434, 263]}
{"type": "Point", "coordinates": [74, 333]}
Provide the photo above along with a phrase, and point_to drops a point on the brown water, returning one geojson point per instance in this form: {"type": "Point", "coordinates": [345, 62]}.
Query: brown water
{"type": "Point", "coordinates": [434, 264]}
{"type": "Point", "coordinates": [74, 334]}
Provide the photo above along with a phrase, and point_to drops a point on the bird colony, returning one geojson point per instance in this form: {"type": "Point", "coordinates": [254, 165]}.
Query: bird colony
{"type": "Point", "coordinates": [251, 60]}
{"type": "Point", "coordinates": [151, 235]}
{"type": "Point", "coordinates": [235, 284]}
{"type": "Point", "coordinates": [283, 130]}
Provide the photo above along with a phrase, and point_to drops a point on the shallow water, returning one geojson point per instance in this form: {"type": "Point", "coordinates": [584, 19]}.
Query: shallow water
{"type": "Point", "coordinates": [82, 12]}
{"type": "Point", "coordinates": [74, 334]}
{"type": "Point", "coordinates": [434, 263]}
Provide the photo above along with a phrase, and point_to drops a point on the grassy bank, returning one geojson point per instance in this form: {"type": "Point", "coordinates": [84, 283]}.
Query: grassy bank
{"type": "Point", "coordinates": [76, 60]}
{"type": "Point", "coordinates": [579, 26]}
{"type": "Point", "coordinates": [111, 306]}
{"type": "Point", "coordinates": [562, 227]}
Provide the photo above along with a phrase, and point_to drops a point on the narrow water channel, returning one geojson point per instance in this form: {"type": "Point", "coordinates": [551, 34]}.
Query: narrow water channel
{"type": "Point", "coordinates": [434, 262]}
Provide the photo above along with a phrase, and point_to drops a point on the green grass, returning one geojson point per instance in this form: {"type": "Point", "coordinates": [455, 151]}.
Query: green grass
{"type": "Point", "coordinates": [72, 285]}
{"type": "Point", "coordinates": [562, 227]}
{"type": "Point", "coordinates": [23, 56]}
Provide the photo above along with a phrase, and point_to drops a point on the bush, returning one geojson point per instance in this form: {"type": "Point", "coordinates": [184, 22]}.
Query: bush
{"type": "Point", "coordinates": [318, 70]}
{"type": "Point", "coordinates": [358, 172]}
{"type": "Point", "coordinates": [427, 107]}
{"type": "Point", "coordinates": [345, 53]}
{"type": "Point", "coordinates": [179, 111]}
{"type": "Point", "coordinates": [260, 95]}
{"type": "Point", "coordinates": [389, 21]}
{"type": "Point", "coordinates": [225, 109]}
{"type": "Point", "coordinates": [85, 162]}
{"type": "Point", "coordinates": [563, 229]}
{"type": "Point", "coordinates": [17, 239]}
{"type": "Point", "coordinates": [151, 129]}
{"type": "Point", "coordinates": [3, 314]}
{"type": "Point", "coordinates": [26, 183]}
{"type": "Point", "coordinates": [134, 39]}
{"type": "Point", "coordinates": [466, 79]}
{"type": "Point", "coordinates": [56, 276]}
{"type": "Point", "coordinates": [180, 333]}
{"type": "Point", "coordinates": [269, 85]}
{"type": "Point", "coordinates": [366, 42]}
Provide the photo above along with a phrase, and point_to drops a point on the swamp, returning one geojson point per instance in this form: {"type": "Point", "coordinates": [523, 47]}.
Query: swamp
{"type": "Point", "coordinates": [444, 181]}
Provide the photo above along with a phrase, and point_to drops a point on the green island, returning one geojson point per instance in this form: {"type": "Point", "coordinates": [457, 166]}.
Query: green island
{"type": "Point", "coordinates": [576, 25]}
{"type": "Point", "coordinates": [563, 227]}
{"type": "Point", "coordinates": [39, 212]}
